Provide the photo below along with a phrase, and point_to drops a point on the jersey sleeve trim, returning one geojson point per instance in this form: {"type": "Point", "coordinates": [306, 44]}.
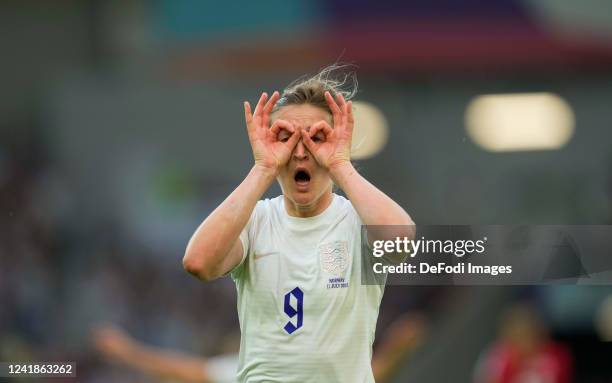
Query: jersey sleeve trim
{"type": "Point", "coordinates": [244, 239]}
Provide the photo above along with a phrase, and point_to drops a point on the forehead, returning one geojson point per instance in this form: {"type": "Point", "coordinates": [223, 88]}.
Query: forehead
{"type": "Point", "coordinates": [303, 114]}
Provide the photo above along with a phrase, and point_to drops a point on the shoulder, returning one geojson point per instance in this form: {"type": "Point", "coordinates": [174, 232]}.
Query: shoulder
{"type": "Point", "coordinates": [269, 206]}
{"type": "Point", "coordinates": [265, 210]}
{"type": "Point", "coordinates": [342, 202]}
{"type": "Point", "coordinates": [345, 206]}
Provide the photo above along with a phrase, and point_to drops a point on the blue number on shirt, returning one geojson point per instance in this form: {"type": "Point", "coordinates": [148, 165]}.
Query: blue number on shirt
{"type": "Point", "coordinates": [292, 312]}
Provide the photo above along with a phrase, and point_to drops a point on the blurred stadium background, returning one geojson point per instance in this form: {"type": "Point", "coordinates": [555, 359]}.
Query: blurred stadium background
{"type": "Point", "coordinates": [121, 128]}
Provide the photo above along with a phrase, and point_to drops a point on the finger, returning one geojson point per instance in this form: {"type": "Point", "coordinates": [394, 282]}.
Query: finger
{"type": "Point", "coordinates": [271, 102]}
{"type": "Point", "coordinates": [281, 124]}
{"type": "Point", "coordinates": [248, 116]}
{"type": "Point", "coordinates": [310, 145]}
{"type": "Point", "coordinates": [260, 105]}
{"type": "Point", "coordinates": [336, 112]}
{"type": "Point", "coordinates": [293, 140]}
{"type": "Point", "coordinates": [268, 108]}
{"type": "Point", "coordinates": [341, 102]}
{"type": "Point", "coordinates": [343, 106]}
{"type": "Point", "coordinates": [350, 116]}
{"type": "Point", "coordinates": [320, 126]}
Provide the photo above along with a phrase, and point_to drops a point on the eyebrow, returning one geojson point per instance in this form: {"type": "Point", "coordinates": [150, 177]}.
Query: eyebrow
{"type": "Point", "coordinates": [328, 119]}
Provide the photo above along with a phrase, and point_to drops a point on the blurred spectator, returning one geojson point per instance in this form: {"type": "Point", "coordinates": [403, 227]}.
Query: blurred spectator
{"type": "Point", "coordinates": [404, 335]}
{"type": "Point", "coordinates": [603, 320]}
{"type": "Point", "coordinates": [118, 346]}
{"type": "Point", "coordinates": [524, 353]}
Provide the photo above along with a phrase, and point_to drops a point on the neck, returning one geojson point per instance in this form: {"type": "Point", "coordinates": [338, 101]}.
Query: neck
{"type": "Point", "coordinates": [317, 207]}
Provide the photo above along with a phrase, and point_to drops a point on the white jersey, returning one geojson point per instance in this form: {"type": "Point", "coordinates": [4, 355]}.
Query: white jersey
{"type": "Point", "coordinates": [304, 314]}
{"type": "Point", "coordinates": [221, 368]}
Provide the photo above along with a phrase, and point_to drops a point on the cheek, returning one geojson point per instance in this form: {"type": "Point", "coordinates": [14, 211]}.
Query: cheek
{"type": "Point", "coordinates": [285, 177]}
{"type": "Point", "coordinates": [321, 176]}
{"type": "Point", "coordinates": [282, 176]}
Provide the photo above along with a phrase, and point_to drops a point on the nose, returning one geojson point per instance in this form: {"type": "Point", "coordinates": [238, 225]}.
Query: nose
{"type": "Point", "coordinates": [300, 152]}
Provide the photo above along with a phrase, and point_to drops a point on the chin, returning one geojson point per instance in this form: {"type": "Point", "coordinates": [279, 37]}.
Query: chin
{"type": "Point", "coordinates": [303, 199]}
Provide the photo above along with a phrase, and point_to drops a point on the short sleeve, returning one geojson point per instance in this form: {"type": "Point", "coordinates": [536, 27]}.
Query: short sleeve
{"type": "Point", "coordinates": [359, 227]}
{"type": "Point", "coordinates": [245, 241]}
{"type": "Point", "coordinates": [222, 368]}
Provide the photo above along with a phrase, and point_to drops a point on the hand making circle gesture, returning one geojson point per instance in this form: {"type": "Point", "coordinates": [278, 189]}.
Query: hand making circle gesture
{"type": "Point", "coordinates": [332, 147]}
{"type": "Point", "coordinates": [272, 146]}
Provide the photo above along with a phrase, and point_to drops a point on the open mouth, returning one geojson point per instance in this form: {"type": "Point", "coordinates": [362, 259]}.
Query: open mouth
{"type": "Point", "coordinates": [302, 177]}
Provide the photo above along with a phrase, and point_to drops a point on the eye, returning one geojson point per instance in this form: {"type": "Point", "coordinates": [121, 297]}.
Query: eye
{"type": "Point", "coordinates": [319, 137]}
{"type": "Point", "coordinates": [283, 135]}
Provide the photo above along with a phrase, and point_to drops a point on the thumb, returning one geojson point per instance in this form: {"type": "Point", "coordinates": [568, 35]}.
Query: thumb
{"type": "Point", "coordinates": [293, 140]}
{"type": "Point", "coordinates": [310, 145]}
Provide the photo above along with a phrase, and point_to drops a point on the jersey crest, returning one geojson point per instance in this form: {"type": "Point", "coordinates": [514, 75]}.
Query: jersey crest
{"type": "Point", "coordinates": [334, 257]}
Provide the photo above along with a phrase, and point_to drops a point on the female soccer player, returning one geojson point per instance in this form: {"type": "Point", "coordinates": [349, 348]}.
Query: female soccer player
{"type": "Point", "coordinates": [296, 259]}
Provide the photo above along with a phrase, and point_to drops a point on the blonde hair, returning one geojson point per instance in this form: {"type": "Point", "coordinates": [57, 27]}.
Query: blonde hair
{"type": "Point", "coordinates": [335, 78]}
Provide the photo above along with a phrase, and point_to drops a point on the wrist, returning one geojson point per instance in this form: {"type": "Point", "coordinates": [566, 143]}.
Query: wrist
{"type": "Point", "coordinates": [267, 172]}
{"type": "Point", "coordinates": [340, 170]}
